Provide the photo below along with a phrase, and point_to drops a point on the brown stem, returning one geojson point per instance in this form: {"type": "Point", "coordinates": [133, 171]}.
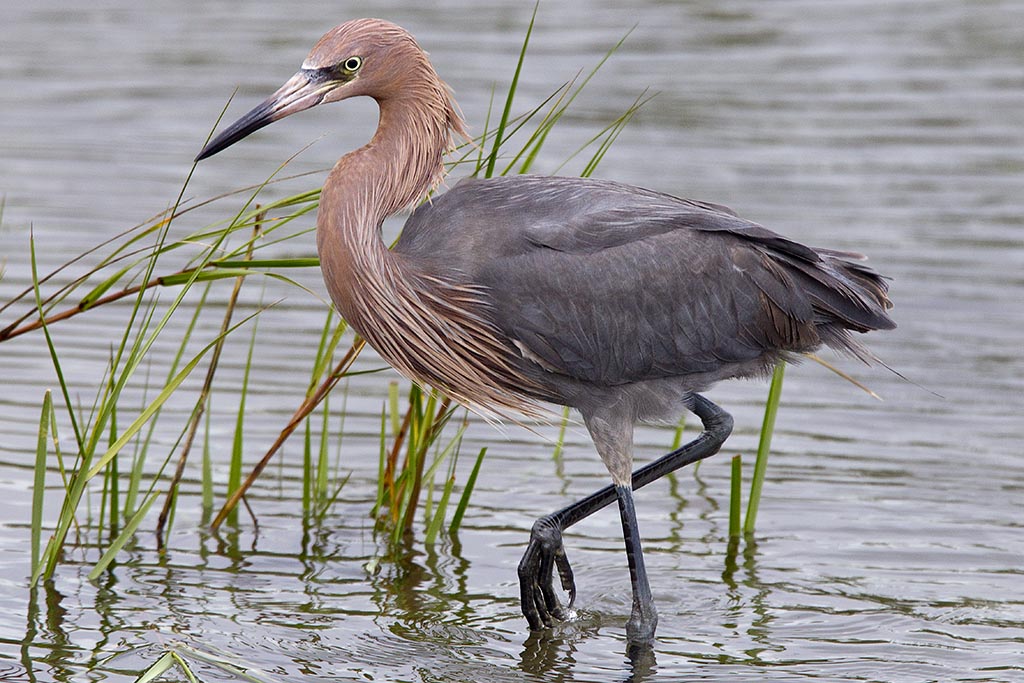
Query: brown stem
{"type": "Point", "coordinates": [307, 406]}
{"type": "Point", "coordinates": [13, 330]}
{"type": "Point", "coordinates": [435, 427]}
{"type": "Point", "coordinates": [389, 467]}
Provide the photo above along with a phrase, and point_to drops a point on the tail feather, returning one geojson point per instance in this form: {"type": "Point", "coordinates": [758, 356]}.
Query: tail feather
{"type": "Point", "coordinates": [846, 296]}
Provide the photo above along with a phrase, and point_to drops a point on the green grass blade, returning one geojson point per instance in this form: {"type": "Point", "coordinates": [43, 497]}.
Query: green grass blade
{"type": "Point", "coordinates": [483, 136]}
{"type": "Point", "coordinates": [307, 465]}
{"type": "Point", "coordinates": [99, 290]}
{"type": "Point", "coordinates": [559, 102]}
{"type": "Point", "coordinates": [323, 468]}
{"type": "Point", "coordinates": [438, 519]}
{"type": "Point", "coordinates": [450, 447]}
{"type": "Point", "coordinates": [52, 349]}
{"type": "Point", "coordinates": [205, 275]}
{"type": "Point", "coordinates": [771, 408]}
{"type": "Point", "coordinates": [506, 112]}
{"type": "Point", "coordinates": [460, 510]}
{"type": "Point", "coordinates": [381, 465]}
{"type": "Point", "coordinates": [207, 466]}
{"type": "Point", "coordinates": [158, 669]}
{"type": "Point", "coordinates": [185, 669]}
{"type": "Point", "coordinates": [330, 337]}
{"type": "Point", "coordinates": [606, 137]}
{"type": "Point", "coordinates": [122, 538]}
{"type": "Point", "coordinates": [231, 670]}
{"type": "Point", "coordinates": [533, 146]}
{"type": "Point", "coordinates": [237, 442]}
{"type": "Point", "coordinates": [113, 477]}
{"type": "Point", "coordinates": [677, 434]}
{"type": "Point", "coordinates": [39, 481]}
{"type": "Point", "coordinates": [393, 410]}
{"type": "Point", "coordinates": [736, 493]}
{"type": "Point", "coordinates": [76, 485]}
{"type": "Point", "coordinates": [163, 665]}
{"type": "Point", "coordinates": [560, 442]}
{"type": "Point", "coordinates": [303, 262]}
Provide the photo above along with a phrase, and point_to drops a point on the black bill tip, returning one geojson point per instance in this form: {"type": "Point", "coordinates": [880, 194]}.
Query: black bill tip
{"type": "Point", "coordinates": [261, 116]}
{"type": "Point", "coordinates": [305, 89]}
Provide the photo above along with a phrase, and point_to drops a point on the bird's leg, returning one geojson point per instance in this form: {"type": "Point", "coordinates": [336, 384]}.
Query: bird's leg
{"type": "Point", "coordinates": [545, 551]}
{"type": "Point", "coordinates": [644, 618]}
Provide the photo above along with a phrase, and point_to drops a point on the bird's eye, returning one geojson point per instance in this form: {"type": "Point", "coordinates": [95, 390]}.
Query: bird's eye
{"type": "Point", "coordinates": [352, 63]}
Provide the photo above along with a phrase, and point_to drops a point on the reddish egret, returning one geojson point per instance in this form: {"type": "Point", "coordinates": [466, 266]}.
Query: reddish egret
{"type": "Point", "coordinates": [505, 293]}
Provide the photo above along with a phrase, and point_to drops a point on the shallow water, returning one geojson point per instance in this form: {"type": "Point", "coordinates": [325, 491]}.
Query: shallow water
{"type": "Point", "coordinates": [889, 540]}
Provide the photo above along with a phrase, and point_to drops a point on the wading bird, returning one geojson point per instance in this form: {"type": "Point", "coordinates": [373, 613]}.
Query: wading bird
{"type": "Point", "coordinates": [510, 292]}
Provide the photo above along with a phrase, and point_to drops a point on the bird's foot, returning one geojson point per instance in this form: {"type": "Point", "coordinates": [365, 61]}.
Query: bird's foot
{"type": "Point", "coordinates": [543, 555]}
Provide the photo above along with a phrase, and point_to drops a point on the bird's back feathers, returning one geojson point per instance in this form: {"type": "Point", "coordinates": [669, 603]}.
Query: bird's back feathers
{"type": "Point", "coordinates": [612, 284]}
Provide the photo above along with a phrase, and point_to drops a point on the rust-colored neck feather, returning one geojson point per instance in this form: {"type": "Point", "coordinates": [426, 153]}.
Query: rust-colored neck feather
{"type": "Point", "coordinates": [394, 171]}
{"type": "Point", "coordinates": [430, 329]}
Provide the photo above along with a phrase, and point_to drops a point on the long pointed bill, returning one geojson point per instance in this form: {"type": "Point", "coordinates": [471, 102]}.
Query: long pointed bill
{"type": "Point", "coordinates": [303, 90]}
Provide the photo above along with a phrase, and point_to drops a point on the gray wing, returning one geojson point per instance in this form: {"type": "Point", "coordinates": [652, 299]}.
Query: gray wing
{"type": "Point", "coordinates": [611, 284]}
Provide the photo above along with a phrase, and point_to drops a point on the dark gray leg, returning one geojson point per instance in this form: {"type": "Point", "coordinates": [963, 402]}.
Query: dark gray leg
{"type": "Point", "coordinates": [545, 552]}
{"type": "Point", "coordinates": [644, 618]}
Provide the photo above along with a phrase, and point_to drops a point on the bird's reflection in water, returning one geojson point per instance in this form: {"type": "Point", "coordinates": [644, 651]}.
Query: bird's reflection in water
{"type": "Point", "coordinates": [551, 655]}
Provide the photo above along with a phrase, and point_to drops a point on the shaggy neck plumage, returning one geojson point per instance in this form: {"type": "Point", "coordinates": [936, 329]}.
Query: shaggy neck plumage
{"type": "Point", "coordinates": [394, 171]}
{"type": "Point", "coordinates": [431, 330]}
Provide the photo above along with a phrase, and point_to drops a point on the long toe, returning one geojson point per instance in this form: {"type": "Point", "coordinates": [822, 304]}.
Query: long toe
{"type": "Point", "coordinates": [532, 600]}
{"type": "Point", "coordinates": [544, 553]}
{"type": "Point", "coordinates": [565, 575]}
{"type": "Point", "coordinates": [539, 602]}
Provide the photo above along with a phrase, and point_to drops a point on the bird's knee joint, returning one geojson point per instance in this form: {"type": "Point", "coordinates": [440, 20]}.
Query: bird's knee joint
{"type": "Point", "coordinates": [722, 425]}
{"type": "Point", "coordinates": [546, 530]}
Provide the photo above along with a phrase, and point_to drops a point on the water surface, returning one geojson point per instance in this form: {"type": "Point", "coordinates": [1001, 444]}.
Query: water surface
{"type": "Point", "coordinates": [889, 541]}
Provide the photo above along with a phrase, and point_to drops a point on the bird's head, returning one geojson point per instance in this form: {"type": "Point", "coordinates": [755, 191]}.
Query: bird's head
{"type": "Point", "coordinates": [370, 57]}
